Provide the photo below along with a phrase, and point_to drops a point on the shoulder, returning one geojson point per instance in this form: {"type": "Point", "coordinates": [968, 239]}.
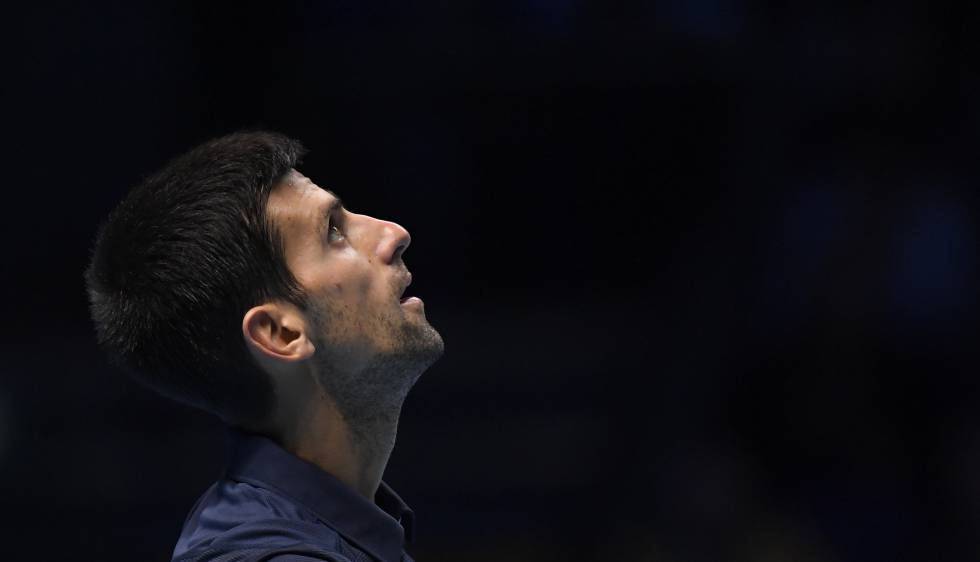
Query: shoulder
{"type": "Point", "coordinates": [273, 540]}
{"type": "Point", "coordinates": [232, 512]}
{"type": "Point", "coordinates": [293, 553]}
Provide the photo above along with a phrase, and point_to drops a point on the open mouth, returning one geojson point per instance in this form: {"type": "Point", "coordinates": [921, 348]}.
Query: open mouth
{"type": "Point", "coordinates": [411, 301]}
{"type": "Point", "coordinates": [408, 281]}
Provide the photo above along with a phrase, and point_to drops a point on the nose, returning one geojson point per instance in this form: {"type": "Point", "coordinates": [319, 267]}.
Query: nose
{"type": "Point", "coordinates": [394, 241]}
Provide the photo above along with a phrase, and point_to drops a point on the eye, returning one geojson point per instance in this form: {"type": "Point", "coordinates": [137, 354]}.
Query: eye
{"type": "Point", "coordinates": [334, 234]}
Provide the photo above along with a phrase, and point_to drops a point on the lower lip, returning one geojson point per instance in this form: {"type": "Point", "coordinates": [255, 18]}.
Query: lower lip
{"type": "Point", "coordinates": [412, 301]}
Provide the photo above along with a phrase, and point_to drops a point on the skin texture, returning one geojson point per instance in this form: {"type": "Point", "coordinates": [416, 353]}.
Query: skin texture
{"type": "Point", "coordinates": [342, 368]}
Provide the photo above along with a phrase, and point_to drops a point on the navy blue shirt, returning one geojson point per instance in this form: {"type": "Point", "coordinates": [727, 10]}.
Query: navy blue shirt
{"type": "Point", "coordinates": [272, 506]}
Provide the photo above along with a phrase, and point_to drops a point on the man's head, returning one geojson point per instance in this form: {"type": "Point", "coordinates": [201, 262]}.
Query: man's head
{"type": "Point", "coordinates": [365, 342]}
{"type": "Point", "coordinates": [220, 272]}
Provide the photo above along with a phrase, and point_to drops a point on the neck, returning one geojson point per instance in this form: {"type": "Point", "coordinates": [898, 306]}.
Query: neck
{"type": "Point", "coordinates": [355, 451]}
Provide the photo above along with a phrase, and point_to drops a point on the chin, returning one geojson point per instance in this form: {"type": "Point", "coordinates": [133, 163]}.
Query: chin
{"type": "Point", "coordinates": [421, 345]}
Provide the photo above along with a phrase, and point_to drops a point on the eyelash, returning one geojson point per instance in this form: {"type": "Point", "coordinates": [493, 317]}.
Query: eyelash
{"type": "Point", "coordinates": [333, 227]}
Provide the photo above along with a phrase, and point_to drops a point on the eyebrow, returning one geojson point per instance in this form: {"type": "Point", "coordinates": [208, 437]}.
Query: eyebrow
{"type": "Point", "coordinates": [326, 211]}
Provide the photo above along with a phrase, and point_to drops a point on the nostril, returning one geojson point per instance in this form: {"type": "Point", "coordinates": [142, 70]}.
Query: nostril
{"type": "Point", "coordinates": [399, 250]}
{"type": "Point", "coordinates": [397, 240]}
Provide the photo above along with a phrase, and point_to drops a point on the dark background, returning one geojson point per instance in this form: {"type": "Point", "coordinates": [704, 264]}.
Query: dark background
{"type": "Point", "coordinates": [706, 269]}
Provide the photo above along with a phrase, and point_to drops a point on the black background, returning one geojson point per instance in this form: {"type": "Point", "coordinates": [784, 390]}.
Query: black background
{"type": "Point", "coordinates": [706, 270]}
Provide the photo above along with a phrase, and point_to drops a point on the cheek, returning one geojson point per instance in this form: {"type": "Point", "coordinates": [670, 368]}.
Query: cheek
{"type": "Point", "coordinates": [355, 288]}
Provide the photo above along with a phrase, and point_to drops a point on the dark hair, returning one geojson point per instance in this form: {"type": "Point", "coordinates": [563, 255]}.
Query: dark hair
{"type": "Point", "coordinates": [181, 259]}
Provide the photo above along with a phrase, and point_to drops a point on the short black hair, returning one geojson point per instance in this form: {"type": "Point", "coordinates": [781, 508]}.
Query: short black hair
{"type": "Point", "coordinates": [180, 260]}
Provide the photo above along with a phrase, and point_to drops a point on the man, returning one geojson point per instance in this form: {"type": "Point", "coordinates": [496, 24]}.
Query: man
{"type": "Point", "coordinates": [230, 281]}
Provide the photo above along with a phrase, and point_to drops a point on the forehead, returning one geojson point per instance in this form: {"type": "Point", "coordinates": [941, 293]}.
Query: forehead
{"type": "Point", "coordinates": [297, 203]}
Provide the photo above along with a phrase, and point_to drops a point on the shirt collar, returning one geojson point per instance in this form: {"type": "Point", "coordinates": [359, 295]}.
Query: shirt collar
{"type": "Point", "coordinates": [381, 528]}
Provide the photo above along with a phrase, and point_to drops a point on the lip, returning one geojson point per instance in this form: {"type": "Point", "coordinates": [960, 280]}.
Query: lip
{"type": "Point", "coordinates": [406, 281]}
{"type": "Point", "coordinates": [412, 302]}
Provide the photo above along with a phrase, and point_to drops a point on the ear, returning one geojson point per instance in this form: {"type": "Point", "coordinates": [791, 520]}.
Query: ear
{"type": "Point", "coordinates": [274, 331]}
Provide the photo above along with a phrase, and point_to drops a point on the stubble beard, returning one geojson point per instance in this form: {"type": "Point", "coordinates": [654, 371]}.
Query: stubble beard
{"type": "Point", "coordinates": [370, 396]}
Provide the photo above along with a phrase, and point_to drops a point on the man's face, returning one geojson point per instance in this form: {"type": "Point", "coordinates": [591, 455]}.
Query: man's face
{"type": "Point", "coordinates": [371, 343]}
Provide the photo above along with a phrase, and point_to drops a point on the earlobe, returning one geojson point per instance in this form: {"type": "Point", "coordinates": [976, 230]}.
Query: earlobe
{"type": "Point", "coordinates": [276, 332]}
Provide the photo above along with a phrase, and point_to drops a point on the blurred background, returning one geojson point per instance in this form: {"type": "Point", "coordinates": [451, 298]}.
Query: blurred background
{"type": "Point", "coordinates": [706, 269]}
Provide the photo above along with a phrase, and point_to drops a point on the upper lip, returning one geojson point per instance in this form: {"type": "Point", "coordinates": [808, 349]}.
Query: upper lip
{"type": "Point", "coordinates": [406, 280]}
